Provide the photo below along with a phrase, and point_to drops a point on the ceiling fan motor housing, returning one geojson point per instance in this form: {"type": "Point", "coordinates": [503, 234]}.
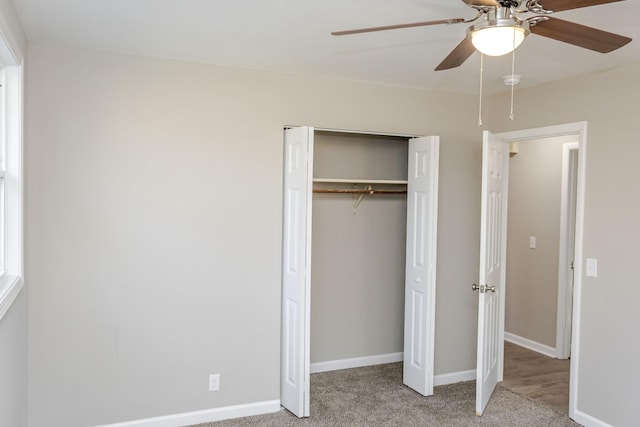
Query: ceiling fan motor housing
{"type": "Point", "coordinates": [498, 33]}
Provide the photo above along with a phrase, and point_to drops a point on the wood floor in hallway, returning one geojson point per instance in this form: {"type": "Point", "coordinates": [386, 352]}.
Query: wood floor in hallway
{"type": "Point", "coordinates": [541, 378]}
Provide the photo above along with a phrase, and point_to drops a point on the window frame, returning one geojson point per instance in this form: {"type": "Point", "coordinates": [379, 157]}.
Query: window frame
{"type": "Point", "coordinates": [11, 167]}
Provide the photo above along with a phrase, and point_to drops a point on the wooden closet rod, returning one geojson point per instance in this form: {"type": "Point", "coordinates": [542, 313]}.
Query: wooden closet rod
{"type": "Point", "coordinates": [357, 191]}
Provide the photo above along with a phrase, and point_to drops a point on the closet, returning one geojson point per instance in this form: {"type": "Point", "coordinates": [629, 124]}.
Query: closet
{"type": "Point", "coordinates": [358, 260]}
{"type": "Point", "coordinates": [358, 230]}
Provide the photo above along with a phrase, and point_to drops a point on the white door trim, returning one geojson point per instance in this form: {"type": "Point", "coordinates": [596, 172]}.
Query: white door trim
{"type": "Point", "coordinates": [567, 232]}
{"type": "Point", "coordinates": [579, 128]}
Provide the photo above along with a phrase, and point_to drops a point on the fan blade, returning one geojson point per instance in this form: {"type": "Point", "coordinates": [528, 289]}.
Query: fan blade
{"type": "Point", "coordinates": [560, 5]}
{"type": "Point", "coordinates": [395, 27]}
{"type": "Point", "coordinates": [457, 56]}
{"type": "Point", "coordinates": [482, 3]}
{"type": "Point", "coordinates": [579, 35]}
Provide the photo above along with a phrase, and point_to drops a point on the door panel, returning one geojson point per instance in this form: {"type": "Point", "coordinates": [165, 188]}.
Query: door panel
{"type": "Point", "coordinates": [495, 170]}
{"type": "Point", "coordinates": [420, 277]}
{"type": "Point", "coordinates": [296, 265]}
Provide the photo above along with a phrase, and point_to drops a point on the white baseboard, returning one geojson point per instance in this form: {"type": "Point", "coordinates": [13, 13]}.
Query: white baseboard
{"type": "Point", "coordinates": [454, 377]}
{"type": "Point", "coordinates": [588, 420]}
{"type": "Point", "coordinates": [359, 362]}
{"type": "Point", "coordinates": [356, 362]}
{"type": "Point", "coordinates": [205, 416]}
{"type": "Point", "coordinates": [531, 345]}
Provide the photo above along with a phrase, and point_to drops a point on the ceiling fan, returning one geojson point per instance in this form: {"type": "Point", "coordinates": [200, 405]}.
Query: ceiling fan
{"type": "Point", "coordinates": [500, 28]}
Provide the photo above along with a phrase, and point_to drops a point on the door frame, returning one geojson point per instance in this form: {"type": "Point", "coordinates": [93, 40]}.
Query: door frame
{"type": "Point", "coordinates": [295, 323]}
{"type": "Point", "coordinates": [570, 156]}
{"type": "Point", "coordinates": [579, 129]}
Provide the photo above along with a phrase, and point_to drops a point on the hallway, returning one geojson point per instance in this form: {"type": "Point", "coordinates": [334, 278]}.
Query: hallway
{"type": "Point", "coordinates": [539, 377]}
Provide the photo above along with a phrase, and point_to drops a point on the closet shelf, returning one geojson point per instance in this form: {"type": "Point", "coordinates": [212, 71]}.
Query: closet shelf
{"type": "Point", "coordinates": [358, 191]}
{"type": "Point", "coordinates": [361, 181]}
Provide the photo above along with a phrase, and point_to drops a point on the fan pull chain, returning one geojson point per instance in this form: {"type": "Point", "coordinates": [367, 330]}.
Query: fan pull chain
{"type": "Point", "coordinates": [481, 78]}
{"type": "Point", "coordinates": [513, 71]}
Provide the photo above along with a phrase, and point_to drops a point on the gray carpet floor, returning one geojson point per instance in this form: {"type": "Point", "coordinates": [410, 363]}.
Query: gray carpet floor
{"type": "Point", "coordinates": [375, 396]}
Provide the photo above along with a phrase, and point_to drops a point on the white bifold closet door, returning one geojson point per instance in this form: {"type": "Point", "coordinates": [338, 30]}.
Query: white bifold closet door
{"type": "Point", "coordinates": [420, 274]}
{"type": "Point", "coordinates": [422, 196]}
{"type": "Point", "coordinates": [296, 271]}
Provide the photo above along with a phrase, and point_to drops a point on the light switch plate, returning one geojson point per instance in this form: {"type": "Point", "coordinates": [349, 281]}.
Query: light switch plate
{"type": "Point", "coordinates": [532, 242]}
{"type": "Point", "coordinates": [592, 267]}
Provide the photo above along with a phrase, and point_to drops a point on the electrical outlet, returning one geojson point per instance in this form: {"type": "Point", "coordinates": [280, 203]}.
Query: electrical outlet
{"type": "Point", "coordinates": [214, 382]}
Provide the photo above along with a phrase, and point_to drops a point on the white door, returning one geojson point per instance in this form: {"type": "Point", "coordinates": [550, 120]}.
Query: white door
{"type": "Point", "coordinates": [420, 275]}
{"type": "Point", "coordinates": [493, 228]}
{"type": "Point", "coordinates": [296, 267]}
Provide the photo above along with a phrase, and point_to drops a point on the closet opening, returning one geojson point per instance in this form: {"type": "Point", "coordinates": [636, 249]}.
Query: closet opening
{"type": "Point", "coordinates": [359, 256]}
{"type": "Point", "coordinates": [358, 250]}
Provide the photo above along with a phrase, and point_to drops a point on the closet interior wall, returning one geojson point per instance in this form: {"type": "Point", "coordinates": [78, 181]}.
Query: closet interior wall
{"type": "Point", "coordinates": [358, 258]}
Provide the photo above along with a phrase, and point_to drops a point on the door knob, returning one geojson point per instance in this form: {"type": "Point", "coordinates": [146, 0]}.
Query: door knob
{"type": "Point", "coordinates": [483, 288]}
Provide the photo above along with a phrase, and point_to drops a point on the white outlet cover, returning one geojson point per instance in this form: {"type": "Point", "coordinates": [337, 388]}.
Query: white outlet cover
{"type": "Point", "coordinates": [591, 267]}
{"type": "Point", "coordinates": [214, 382]}
{"type": "Point", "coordinates": [532, 242]}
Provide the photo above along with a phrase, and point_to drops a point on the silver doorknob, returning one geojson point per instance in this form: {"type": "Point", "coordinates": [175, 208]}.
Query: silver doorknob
{"type": "Point", "coordinates": [483, 288]}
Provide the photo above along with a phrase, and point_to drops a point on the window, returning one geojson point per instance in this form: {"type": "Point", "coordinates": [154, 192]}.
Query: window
{"type": "Point", "coordinates": [3, 173]}
{"type": "Point", "coordinates": [11, 181]}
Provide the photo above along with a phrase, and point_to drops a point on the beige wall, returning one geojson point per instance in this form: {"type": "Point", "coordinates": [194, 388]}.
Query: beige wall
{"type": "Point", "coordinates": [13, 364]}
{"type": "Point", "coordinates": [154, 227]}
{"type": "Point", "coordinates": [535, 177]}
{"type": "Point", "coordinates": [610, 103]}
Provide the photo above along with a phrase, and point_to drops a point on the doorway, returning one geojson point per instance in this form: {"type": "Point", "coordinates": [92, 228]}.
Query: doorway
{"type": "Point", "coordinates": [539, 275]}
{"type": "Point", "coordinates": [540, 234]}
{"type": "Point", "coordinates": [491, 317]}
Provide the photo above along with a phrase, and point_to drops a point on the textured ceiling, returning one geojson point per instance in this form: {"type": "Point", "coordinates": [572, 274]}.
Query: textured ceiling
{"type": "Point", "coordinates": [294, 37]}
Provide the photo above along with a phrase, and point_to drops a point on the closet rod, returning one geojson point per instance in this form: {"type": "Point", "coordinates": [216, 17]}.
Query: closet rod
{"type": "Point", "coordinates": [357, 191]}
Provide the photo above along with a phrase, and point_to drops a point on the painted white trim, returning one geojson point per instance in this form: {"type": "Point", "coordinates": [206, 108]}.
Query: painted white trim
{"type": "Point", "coordinates": [14, 179]}
{"type": "Point", "coordinates": [360, 132]}
{"type": "Point", "coordinates": [359, 362]}
{"type": "Point", "coordinates": [579, 128]}
{"type": "Point", "coordinates": [356, 362]}
{"type": "Point", "coordinates": [11, 140]}
{"type": "Point", "coordinates": [588, 420]}
{"type": "Point", "coordinates": [205, 416]}
{"type": "Point", "coordinates": [12, 287]}
{"type": "Point", "coordinates": [10, 52]}
{"type": "Point", "coordinates": [570, 153]}
{"type": "Point", "coordinates": [454, 377]}
{"type": "Point", "coordinates": [530, 344]}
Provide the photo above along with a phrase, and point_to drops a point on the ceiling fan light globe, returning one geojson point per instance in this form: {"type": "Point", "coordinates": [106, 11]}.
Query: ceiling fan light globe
{"type": "Point", "coordinates": [497, 41]}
